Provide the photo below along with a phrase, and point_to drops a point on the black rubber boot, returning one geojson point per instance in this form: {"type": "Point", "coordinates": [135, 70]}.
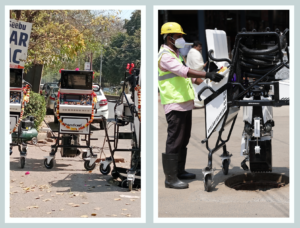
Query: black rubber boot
{"type": "Point", "coordinates": [182, 174]}
{"type": "Point", "coordinates": [170, 165]}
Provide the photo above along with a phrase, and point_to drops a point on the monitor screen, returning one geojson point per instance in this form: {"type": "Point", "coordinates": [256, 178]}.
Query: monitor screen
{"type": "Point", "coordinates": [77, 80]}
{"type": "Point", "coordinates": [16, 78]}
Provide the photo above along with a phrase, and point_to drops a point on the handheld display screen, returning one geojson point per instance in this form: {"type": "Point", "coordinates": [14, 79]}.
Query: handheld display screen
{"type": "Point", "coordinates": [77, 80]}
{"type": "Point", "coordinates": [16, 78]}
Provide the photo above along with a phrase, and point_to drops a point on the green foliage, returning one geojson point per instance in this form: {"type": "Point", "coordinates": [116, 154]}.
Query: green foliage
{"type": "Point", "coordinates": [124, 48]}
{"type": "Point", "coordinates": [36, 107]}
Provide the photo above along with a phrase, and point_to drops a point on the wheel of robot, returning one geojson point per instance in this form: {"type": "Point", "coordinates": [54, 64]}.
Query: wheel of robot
{"type": "Point", "coordinates": [225, 166]}
{"type": "Point", "coordinates": [129, 183]}
{"type": "Point", "coordinates": [84, 155]}
{"type": "Point", "coordinates": [88, 167]}
{"type": "Point", "coordinates": [22, 162]}
{"type": "Point", "coordinates": [114, 174]}
{"type": "Point", "coordinates": [50, 165]}
{"type": "Point", "coordinates": [208, 183]}
{"type": "Point", "coordinates": [105, 171]}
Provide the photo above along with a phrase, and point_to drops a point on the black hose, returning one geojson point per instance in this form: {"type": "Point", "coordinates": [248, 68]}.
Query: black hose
{"type": "Point", "coordinates": [258, 52]}
{"type": "Point", "coordinates": [252, 66]}
{"type": "Point", "coordinates": [254, 61]}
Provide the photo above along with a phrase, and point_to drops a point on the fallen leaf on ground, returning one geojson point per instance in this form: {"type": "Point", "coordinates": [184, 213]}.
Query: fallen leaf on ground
{"type": "Point", "coordinates": [130, 197]}
{"type": "Point", "coordinates": [83, 216]}
{"type": "Point", "coordinates": [128, 215]}
{"type": "Point", "coordinates": [90, 171]}
{"type": "Point", "coordinates": [45, 200]}
{"type": "Point", "coordinates": [127, 203]}
{"type": "Point", "coordinates": [124, 209]}
{"type": "Point", "coordinates": [85, 202]}
{"type": "Point", "coordinates": [75, 205]}
{"type": "Point", "coordinates": [37, 197]}
{"type": "Point", "coordinates": [97, 208]}
{"type": "Point", "coordinates": [117, 199]}
{"type": "Point", "coordinates": [71, 204]}
{"type": "Point", "coordinates": [61, 209]}
{"type": "Point", "coordinates": [48, 213]}
{"type": "Point", "coordinates": [93, 214]}
{"type": "Point", "coordinates": [59, 193]}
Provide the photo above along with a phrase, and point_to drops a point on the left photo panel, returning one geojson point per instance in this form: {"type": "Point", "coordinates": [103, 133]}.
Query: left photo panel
{"type": "Point", "coordinates": [75, 114]}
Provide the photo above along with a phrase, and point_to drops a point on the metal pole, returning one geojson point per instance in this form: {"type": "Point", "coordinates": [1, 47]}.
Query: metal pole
{"type": "Point", "coordinates": [100, 68]}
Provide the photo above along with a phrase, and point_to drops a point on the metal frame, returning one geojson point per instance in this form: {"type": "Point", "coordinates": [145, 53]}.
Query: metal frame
{"type": "Point", "coordinates": [237, 100]}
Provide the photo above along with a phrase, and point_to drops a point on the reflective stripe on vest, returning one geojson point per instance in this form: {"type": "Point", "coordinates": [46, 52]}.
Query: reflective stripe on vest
{"type": "Point", "coordinates": [173, 88]}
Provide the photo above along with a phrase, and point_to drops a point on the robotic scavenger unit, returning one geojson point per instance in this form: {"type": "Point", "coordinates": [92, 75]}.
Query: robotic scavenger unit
{"type": "Point", "coordinates": [255, 79]}
{"type": "Point", "coordinates": [127, 112]}
{"type": "Point", "coordinates": [21, 130]}
{"type": "Point", "coordinates": [74, 110]}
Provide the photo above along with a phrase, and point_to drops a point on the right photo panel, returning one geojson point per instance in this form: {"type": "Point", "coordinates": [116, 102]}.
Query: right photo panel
{"type": "Point", "coordinates": [224, 113]}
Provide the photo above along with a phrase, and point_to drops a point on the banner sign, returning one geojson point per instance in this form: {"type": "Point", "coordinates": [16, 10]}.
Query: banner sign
{"type": "Point", "coordinates": [19, 42]}
{"type": "Point", "coordinates": [87, 66]}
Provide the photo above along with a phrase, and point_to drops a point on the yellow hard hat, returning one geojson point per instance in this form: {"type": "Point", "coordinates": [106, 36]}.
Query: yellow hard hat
{"type": "Point", "coordinates": [171, 27]}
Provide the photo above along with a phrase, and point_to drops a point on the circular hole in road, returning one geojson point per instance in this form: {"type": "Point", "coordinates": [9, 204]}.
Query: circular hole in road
{"type": "Point", "coordinates": [257, 181]}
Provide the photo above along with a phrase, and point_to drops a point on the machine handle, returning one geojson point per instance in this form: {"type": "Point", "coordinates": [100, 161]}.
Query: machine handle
{"type": "Point", "coordinates": [217, 60]}
{"type": "Point", "coordinates": [202, 90]}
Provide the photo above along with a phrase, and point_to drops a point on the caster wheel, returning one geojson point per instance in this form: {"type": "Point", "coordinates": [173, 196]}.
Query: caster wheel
{"type": "Point", "coordinates": [124, 184]}
{"type": "Point", "coordinates": [50, 165]}
{"type": "Point", "coordinates": [88, 167]}
{"type": "Point", "coordinates": [22, 162]}
{"type": "Point", "coordinates": [225, 167]}
{"type": "Point", "coordinates": [34, 140]}
{"type": "Point", "coordinates": [105, 171]}
{"type": "Point", "coordinates": [84, 155]}
{"type": "Point", "coordinates": [208, 183]}
{"type": "Point", "coordinates": [114, 174]}
{"type": "Point", "coordinates": [130, 184]}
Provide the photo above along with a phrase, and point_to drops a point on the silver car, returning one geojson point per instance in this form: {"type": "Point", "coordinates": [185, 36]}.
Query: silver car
{"type": "Point", "coordinates": [50, 100]}
{"type": "Point", "coordinates": [102, 108]}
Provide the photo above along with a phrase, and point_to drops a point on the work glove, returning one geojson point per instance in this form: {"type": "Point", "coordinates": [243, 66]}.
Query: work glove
{"type": "Point", "coordinates": [214, 76]}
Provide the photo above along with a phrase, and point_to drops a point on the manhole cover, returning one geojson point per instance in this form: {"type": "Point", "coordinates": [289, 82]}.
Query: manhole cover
{"type": "Point", "coordinates": [257, 181]}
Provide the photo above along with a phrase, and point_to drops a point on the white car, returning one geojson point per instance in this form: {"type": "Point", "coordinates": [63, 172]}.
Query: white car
{"type": "Point", "coordinates": [102, 108]}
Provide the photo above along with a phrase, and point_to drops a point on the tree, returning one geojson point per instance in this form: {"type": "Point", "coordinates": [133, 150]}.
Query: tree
{"type": "Point", "coordinates": [134, 23]}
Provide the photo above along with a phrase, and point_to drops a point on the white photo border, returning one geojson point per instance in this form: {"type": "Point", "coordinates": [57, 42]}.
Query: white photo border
{"type": "Point", "coordinates": [291, 219]}
{"type": "Point", "coordinates": [142, 219]}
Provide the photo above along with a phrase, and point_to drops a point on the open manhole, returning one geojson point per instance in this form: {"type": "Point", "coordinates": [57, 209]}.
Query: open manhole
{"type": "Point", "coordinates": [257, 181]}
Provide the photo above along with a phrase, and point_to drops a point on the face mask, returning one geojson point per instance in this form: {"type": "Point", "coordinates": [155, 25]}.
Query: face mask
{"type": "Point", "coordinates": [179, 43]}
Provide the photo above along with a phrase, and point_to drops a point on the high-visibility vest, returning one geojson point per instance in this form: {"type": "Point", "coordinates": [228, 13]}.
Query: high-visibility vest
{"type": "Point", "coordinates": [173, 88]}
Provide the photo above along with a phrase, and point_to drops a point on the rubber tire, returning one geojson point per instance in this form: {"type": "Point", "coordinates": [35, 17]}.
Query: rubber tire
{"type": "Point", "coordinates": [88, 167]}
{"type": "Point", "coordinates": [208, 183]}
{"type": "Point", "coordinates": [225, 166]}
{"type": "Point", "coordinates": [84, 155]}
{"type": "Point", "coordinates": [114, 174]}
{"type": "Point", "coordinates": [50, 165]}
{"type": "Point", "coordinates": [102, 125]}
{"type": "Point", "coordinates": [104, 171]}
{"type": "Point", "coordinates": [55, 119]}
{"type": "Point", "coordinates": [22, 162]}
{"type": "Point", "coordinates": [124, 183]}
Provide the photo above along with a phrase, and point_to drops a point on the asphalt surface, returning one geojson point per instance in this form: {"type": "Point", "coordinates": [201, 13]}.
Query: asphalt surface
{"type": "Point", "coordinates": [223, 201]}
{"type": "Point", "coordinates": [68, 190]}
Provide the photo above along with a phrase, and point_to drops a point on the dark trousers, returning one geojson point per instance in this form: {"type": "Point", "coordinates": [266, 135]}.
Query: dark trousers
{"type": "Point", "coordinates": [179, 131]}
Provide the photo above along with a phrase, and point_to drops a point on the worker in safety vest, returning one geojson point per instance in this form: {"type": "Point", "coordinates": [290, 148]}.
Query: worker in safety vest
{"type": "Point", "coordinates": [177, 96]}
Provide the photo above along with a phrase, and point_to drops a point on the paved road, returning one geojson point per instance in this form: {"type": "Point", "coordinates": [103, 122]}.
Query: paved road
{"type": "Point", "coordinates": [68, 190]}
{"type": "Point", "coordinates": [223, 201]}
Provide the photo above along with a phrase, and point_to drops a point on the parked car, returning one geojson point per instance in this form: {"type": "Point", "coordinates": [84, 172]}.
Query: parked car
{"type": "Point", "coordinates": [47, 87]}
{"type": "Point", "coordinates": [102, 108]}
{"type": "Point", "coordinates": [50, 100]}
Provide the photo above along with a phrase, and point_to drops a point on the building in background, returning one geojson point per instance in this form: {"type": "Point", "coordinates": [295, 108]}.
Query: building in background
{"type": "Point", "coordinates": [194, 23]}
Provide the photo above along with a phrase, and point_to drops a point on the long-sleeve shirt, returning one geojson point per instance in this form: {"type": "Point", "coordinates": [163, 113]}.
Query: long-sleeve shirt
{"type": "Point", "coordinates": [169, 63]}
{"type": "Point", "coordinates": [195, 60]}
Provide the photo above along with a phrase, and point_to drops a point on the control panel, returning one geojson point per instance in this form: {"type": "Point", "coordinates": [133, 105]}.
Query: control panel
{"type": "Point", "coordinates": [75, 103]}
